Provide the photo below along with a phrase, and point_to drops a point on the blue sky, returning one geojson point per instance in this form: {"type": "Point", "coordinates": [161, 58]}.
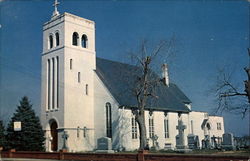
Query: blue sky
{"type": "Point", "coordinates": [210, 35]}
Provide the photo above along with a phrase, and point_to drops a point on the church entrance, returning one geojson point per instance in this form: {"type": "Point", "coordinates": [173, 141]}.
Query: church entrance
{"type": "Point", "coordinates": [54, 135]}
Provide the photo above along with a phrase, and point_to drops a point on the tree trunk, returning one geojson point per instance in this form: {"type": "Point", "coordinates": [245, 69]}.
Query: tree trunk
{"type": "Point", "coordinates": [247, 84]}
{"type": "Point", "coordinates": [142, 130]}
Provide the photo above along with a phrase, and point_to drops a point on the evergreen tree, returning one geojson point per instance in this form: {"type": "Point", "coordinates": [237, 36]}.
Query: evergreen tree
{"type": "Point", "coordinates": [2, 135]}
{"type": "Point", "coordinates": [31, 137]}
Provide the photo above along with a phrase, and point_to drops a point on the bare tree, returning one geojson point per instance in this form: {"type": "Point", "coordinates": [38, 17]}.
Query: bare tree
{"type": "Point", "coordinates": [146, 80]}
{"type": "Point", "coordinates": [230, 98]}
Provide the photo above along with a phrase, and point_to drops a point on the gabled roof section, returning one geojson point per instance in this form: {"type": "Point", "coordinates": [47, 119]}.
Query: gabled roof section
{"type": "Point", "coordinates": [119, 79]}
{"type": "Point", "coordinates": [176, 91]}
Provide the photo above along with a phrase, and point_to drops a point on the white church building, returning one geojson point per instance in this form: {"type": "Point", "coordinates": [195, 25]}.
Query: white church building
{"type": "Point", "coordinates": [84, 97]}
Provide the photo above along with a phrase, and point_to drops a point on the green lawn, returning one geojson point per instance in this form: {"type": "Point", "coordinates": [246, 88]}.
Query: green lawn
{"type": "Point", "coordinates": [244, 152]}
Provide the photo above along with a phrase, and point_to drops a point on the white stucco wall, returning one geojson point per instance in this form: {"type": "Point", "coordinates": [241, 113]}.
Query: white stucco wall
{"type": "Point", "coordinates": [214, 130]}
{"type": "Point", "coordinates": [47, 54]}
{"type": "Point", "coordinates": [103, 96]}
{"type": "Point", "coordinates": [198, 118]}
{"type": "Point", "coordinates": [158, 116]}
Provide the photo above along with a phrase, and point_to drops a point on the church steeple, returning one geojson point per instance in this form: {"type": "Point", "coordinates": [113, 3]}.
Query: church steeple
{"type": "Point", "coordinates": [68, 63]}
{"type": "Point", "coordinates": [55, 13]}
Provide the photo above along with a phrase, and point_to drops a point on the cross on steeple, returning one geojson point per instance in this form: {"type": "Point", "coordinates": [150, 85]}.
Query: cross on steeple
{"type": "Point", "coordinates": [55, 13]}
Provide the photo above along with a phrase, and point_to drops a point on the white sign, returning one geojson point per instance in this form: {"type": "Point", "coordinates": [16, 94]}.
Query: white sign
{"type": "Point", "coordinates": [17, 126]}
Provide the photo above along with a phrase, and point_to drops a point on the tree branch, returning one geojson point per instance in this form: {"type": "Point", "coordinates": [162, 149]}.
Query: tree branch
{"type": "Point", "coordinates": [226, 92]}
{"type": "Point", "coordinates": [232, 94]}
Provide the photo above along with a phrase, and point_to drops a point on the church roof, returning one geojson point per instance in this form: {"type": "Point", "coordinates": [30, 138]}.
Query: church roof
{"type": "Point", "coordinates": [119, 79]}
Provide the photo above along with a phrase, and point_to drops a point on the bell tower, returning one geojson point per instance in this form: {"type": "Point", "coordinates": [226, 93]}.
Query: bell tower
{"type": "Point", "coordinates": [68, 64]}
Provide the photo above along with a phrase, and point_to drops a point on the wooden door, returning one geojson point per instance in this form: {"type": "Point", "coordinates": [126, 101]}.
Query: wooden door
{"type": "Point", "coordinates": [54, 135]}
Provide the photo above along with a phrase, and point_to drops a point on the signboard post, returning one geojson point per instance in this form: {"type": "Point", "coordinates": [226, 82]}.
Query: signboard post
{"type": "Point", "coordinates": [17, 126]}
{"type": "Point", "coordinates": [1, 148]}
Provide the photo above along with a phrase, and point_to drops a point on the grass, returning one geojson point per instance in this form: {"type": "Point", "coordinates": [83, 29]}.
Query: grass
{"type": "Point", "coordinates": [244, 152]}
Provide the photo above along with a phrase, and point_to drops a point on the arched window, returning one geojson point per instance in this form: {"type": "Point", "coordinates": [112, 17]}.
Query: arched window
{"type": "Point", "coordinates": [208, 126]}
{"type": "Point", "coordinates": [48, 83]}
{"type": "Point", "coordinates": [192, 126]}
{"type": "Point", "coordinates": [151, 125]}
{"type": "Point", "coordinates": [79, 77]}
{"type": "Point", "coordinates": [53, 83]}
{"type": "Point", "coordinates": [218, 126]}
{"type": "Point", "coordinates": [84, 41]}
{"type": "Point", "coordinates": [166, 125]}
{"type": "Point", "coordinates": [87, 89]}
{"type": "Point", "coordinates": [134, 127]}
{"type": "Point", "coordinates": [78, 132]}
{"type": "Point", "coordinates": [108, 120]}
{"type": "Point", "coordinates": [50, 41]}
{"type": "Point", "coordinates": [57, 83]}
{"type": "Point", "coordinates": [70, 64]}
{"type": "Point", "coordinates": [57, 39]}
{"type": "Point", "coordinates": [75, 38]}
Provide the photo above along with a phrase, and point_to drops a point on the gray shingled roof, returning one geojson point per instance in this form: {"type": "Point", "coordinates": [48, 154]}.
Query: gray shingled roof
{"type": "Point", "coordinates": [119, 78]}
